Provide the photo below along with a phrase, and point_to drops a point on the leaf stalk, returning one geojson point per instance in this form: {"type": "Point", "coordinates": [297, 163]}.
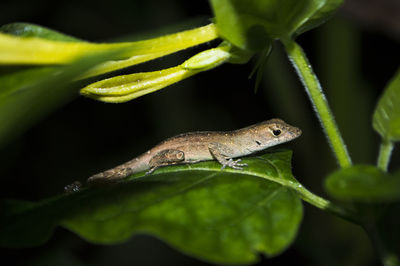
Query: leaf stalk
{"type": "Point", "coordinates": [385, 153]}
{"type": "Point", "coordinates": [328, 206]}
{"type": "Point", "coordinates": [319, 101]}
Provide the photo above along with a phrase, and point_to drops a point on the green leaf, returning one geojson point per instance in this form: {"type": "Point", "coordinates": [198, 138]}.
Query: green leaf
{"type": "Point", "coordinates": [49, 48]}
{"type": "Point", "coordinates": [208, 59]}
{"type": "Point", "coordinates": [39, 51]}
{"type": "Point", "coordinates": [223, 216]}
{"type": "Point", "coordinates": [320, 15]}
{"type": "Point", "coordinates": [386, 119]}
{"type": "Point", "coordinates": [128, 87]}
{"type": "Point", "coordinates": [252, 24]}
{"type": "Point", "coordinates": [363, 183]}
{"type": "Point", "coordinates": [124, 88]}
{"type": "Point", "coordinates": [32, 30]}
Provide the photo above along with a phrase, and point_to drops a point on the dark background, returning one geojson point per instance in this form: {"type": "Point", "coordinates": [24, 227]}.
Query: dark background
{"type": "Point", "coordinates": [354, 55]}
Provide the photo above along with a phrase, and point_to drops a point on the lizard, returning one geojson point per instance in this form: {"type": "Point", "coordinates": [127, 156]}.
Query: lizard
{"type": "Point", "coordinates": [194, 147]}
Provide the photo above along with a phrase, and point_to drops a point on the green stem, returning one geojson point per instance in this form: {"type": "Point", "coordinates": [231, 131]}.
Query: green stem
{"type": "Point", "coordinates": [385, 152]}
{"type": "Point", "coordinates": [317, 97]}
{"type": "Point", "coordinates": [326, 205]}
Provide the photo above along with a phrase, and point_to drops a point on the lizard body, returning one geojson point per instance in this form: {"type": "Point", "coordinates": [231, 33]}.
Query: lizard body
{"type": "Point", "coordinates": [207, 145]}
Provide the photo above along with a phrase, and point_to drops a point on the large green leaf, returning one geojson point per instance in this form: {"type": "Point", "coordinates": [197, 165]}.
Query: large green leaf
{"type": "Point", "coordinates": [219, 216]}
{"type": "Point", "coordinates": [37, 45]}
{"type": "Point", "coordinates": [252, 24]}
{"type": "Point", "coordinates": [386, 119]}
{"type": "Point", "coordinates": [364, 183]}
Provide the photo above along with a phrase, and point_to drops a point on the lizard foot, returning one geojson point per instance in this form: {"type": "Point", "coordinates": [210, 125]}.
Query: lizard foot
{"type": "Point", "coordinates": [234, 164]}
{"type": "Point", "coordinates": [72, 188]}
{"type": "Point", "coordinates": [151, 170]}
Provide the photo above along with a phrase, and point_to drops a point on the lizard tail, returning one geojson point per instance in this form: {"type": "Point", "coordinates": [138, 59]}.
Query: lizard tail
{"type": "Point", "coordinates": [115, 174]}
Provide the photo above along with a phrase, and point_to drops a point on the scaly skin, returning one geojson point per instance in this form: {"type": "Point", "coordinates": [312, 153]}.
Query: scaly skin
{"type": "Point", "coordinates": [203, 146]}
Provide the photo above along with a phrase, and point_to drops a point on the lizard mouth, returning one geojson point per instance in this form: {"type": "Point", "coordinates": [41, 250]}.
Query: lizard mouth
{"type": "Point", "coordinates": [296, 132]}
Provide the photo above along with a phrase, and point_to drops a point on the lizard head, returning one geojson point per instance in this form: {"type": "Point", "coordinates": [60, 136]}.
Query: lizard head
{"type": "Point", "coordinates": [272, 132]}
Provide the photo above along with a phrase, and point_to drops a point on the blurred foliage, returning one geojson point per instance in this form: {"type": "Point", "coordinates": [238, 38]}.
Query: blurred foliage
{"type": "Point", "coordinates": [28, 95]}
{"type": "Point", "coordinates": [364, 183]}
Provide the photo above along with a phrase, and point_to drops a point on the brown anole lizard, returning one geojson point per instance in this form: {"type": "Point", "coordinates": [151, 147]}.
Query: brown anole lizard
{"type": "Point", "coordinates": [195, 147]}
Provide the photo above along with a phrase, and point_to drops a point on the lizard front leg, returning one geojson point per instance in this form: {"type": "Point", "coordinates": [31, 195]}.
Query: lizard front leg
{"type": "Point", "coordinates": [164, 158]}
{"type": "Point", "coordinates": [221, 153]}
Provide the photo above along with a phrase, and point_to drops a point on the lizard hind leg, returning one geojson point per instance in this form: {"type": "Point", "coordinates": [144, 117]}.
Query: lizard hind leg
{"type": "Point", "coordinates": [164, 158]}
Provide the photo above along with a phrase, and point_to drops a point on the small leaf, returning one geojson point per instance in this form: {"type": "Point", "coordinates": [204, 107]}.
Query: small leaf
{"type": "Point", "coordinates": [32, 30]}
{"type": "Point", "coordinates": [253, 24]}
{"type": "Point", "coordinates": [386, 119]}
{"type": "Point", "coordinates": [363, 183]}
{"type": "Point", "coordinates": [222, 216]}
{"type": "Point", "coordinates": [124, 88]}
{"type": "Point", "coordinates": [320, 15]}
{"type": "Point", "coordinates": [207, 59]}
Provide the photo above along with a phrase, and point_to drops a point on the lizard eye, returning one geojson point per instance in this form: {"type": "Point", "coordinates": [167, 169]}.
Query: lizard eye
{"type": "Point", "coordinates": [276, 132]}
{"type": "Point", "coordinates": [258, 143]}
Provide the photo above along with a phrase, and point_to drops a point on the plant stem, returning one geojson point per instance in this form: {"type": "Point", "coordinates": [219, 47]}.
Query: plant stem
{"type": "Point", "coordinates": [385, 152]}
{"type": "Point", "coordinates": [318, 100]}
{"type": "Point", "coordinates": [326, 205]}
